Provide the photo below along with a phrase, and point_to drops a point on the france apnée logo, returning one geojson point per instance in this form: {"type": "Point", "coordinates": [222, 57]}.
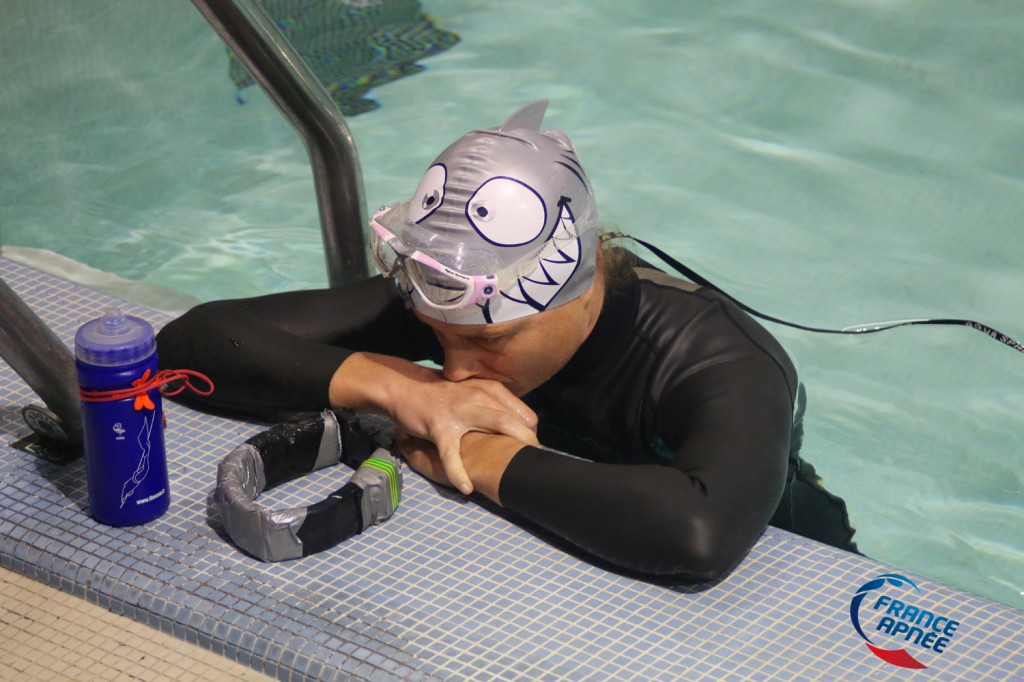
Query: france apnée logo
{"type": "Point", "coordinates": [899, 621]}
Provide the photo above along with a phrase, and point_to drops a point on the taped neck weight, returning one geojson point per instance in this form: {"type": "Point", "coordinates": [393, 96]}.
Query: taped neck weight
{"type": "Point", "coordinates": [293, 449]}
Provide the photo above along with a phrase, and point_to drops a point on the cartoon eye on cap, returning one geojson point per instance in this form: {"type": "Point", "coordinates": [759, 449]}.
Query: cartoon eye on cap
{"type": "Point", "coordinates": [430, 193]}
{"type": "Point", "coordinates": [507, 212]}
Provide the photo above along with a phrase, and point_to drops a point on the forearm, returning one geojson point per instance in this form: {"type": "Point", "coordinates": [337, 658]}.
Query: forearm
{"type": "Point", "coordinates": [650, 519]}
{"type": "Point", "coordinates": [253, 365]}
{"type": "Point", "coordinates": [375, 383]}
{"type": "Point", "coordinates": [486, 457]}
{"type": "Point", "coordinates": [280, 352]}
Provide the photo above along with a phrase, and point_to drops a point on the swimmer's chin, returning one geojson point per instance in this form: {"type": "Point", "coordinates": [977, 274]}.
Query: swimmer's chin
{"type": "Point", "coordinates": [515, 389]}
{"type": "Point", "coordinates": [519, 389]}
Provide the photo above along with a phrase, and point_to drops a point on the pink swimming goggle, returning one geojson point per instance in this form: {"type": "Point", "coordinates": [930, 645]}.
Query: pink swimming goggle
{"type": "Point", "coordinates": [436, 266]}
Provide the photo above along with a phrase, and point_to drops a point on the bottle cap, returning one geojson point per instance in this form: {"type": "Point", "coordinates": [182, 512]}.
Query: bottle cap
{"type": "Point", "coordinates": [114, 339]}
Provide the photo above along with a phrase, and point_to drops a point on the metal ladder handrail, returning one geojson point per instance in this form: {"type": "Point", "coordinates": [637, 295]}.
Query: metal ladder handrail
{"type": "Point", "coordinates": [42, 360]}
{"type": "Point", "coordinates": [255, 39]}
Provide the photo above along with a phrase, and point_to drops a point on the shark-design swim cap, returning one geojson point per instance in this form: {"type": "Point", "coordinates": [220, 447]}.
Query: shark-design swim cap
{"type": "Point", "coordinates": [500, 227]}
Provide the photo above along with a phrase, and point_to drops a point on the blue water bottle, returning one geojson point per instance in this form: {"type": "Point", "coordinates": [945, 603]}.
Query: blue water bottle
{"type": "Point", "coordinates": [125, 461]}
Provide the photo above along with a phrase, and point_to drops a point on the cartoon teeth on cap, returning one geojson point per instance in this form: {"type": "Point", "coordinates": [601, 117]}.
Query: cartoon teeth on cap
{"type": "Point", "coordinates": [539, 288]}
{"type": "Point", "coordinates": [511, 190]}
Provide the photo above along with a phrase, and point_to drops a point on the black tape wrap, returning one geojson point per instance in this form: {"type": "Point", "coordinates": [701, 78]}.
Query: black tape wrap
{"type": "Point", "coordinates": [296, 448]}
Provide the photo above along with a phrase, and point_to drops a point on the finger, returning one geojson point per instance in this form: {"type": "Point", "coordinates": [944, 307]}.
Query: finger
{"type": "Point", "coordinates": [524, 412]}
{"type": "Point", "coordinates": [500, 421]}
{"type": "Point", "coordinates": [451, 460]}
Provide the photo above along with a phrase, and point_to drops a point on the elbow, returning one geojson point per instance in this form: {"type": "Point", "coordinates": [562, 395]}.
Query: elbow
{"type": "Point", "coordinates": [695, 537]}
{"type": "Point", "coordinates": [701, 550]}
{"type": "Point", "coordinates": [709, 550]}
{"type": "Point", "coordinates": [696, 542]}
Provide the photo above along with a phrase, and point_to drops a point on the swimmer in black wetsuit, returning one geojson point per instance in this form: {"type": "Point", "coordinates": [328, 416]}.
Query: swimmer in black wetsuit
{"type": "Point", "coordinates": [680, 404]}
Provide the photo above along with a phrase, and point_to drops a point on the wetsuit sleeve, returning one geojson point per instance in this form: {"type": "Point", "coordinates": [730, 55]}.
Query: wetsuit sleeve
{"type": "Point", "coordinates": [726, 426]}
{"type": "Point", "coordinates": [693, 519]}
{"type": "Point", "coordinates": [279, 352]}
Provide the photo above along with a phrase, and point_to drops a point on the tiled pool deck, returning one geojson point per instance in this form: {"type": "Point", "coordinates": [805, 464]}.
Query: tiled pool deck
{"type": "Point", "coordinates": [447, 589]}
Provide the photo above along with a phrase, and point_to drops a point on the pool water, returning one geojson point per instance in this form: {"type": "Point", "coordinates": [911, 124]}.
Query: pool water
{"type": "Point", "coordinates": [831, 163]}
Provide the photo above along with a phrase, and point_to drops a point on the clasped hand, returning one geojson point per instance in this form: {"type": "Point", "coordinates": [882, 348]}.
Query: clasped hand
{"type": "Point", "coordinates": [436, 414]}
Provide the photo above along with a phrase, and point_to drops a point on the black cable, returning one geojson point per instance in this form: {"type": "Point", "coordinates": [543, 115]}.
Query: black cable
{"type": "Point", "coordinates": [855, 329]}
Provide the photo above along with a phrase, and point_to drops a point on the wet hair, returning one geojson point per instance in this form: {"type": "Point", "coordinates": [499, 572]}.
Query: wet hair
{"type": "Point", "coordinates": [615, 259]}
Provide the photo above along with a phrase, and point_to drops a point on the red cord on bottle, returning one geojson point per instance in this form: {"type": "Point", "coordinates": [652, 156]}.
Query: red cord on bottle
{"type": "Point", "coordinates": [144, 384]}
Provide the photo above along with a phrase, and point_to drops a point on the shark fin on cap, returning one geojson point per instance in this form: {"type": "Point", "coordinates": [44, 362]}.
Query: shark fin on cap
{"type": "Point", "coordinates": [529, 117]}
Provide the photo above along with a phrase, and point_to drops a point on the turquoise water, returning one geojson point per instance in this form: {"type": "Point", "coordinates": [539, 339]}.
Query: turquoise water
{"type": "Point", "coordinates": [828, 162]}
